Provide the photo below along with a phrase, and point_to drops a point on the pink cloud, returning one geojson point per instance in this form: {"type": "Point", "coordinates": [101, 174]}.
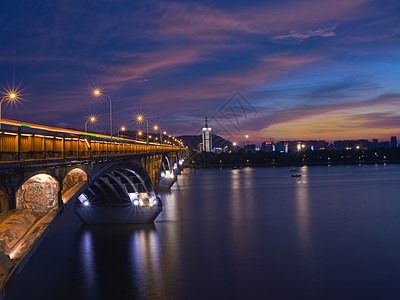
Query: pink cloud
{"type": "Point", "coordinates": [306, 34]}
{"type": "Point", "coordinates": [198, 21]}
{"type": "Point", "coordinates": [144, 64]}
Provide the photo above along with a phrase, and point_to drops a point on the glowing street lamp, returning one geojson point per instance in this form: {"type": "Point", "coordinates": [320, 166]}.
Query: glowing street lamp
{"type": "Point", "coordinates": [11, 96]}
{"type": "Point", "coordinates": [122, 129]}
{"type": "Point", "coordinates": [157, 128]}
{"type": "Point", "coordinates": [140, 118]}
{"type": "Point", "coordinates": [99, 93]}
{"type": "Point", "coordinates": [91, 119]}
{"type": "Point", "coordinates": [247, 138]}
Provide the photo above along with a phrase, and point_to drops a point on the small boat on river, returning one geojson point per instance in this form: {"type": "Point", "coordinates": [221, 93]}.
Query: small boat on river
{"type": "Point", "coordinates": [296, 175]}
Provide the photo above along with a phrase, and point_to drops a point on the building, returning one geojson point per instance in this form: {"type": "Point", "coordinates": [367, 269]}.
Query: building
{"type": "Point", "coordinates": [352, 144]}
{"type": "Point", "coordinates": [250, 147]}
{"type": "Point", "coordinates": [207, 137]}
{"type": "Point", "coordinates": [313, 145]}
{"type": "Point", "coordinates": [393, 142]}
{"type": "Point", "coordinates": [268, 147]}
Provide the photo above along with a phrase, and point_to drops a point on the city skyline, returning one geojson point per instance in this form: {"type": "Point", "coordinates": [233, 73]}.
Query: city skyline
{"type": "Point", "coordinates": [310, 70]}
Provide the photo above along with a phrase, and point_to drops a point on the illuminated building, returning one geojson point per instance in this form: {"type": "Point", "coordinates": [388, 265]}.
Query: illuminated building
{"type": "Point", "coordinates": [207, 137]}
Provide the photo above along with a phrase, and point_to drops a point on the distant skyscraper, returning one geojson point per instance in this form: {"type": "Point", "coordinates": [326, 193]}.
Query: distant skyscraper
{"type": "Point", "coordinates": [207, 137]}
{"type": "Point", "coordinates": [393, 142]}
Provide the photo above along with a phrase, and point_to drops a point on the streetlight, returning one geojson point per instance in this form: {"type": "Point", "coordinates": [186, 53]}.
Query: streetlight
{"type": "Point", "coordinates": [91, 119]}
{"type": "Point", "coordinates": [139, 133]}
{"type": "Point", "coordinates": [141, 119]}
{"type": "Point", "coordinates": [156, 128]}
{"type": "Point", "coordinates": [11, 96]}
{"type": "Point", "coordinates": [122, 129]}
{"type": "Point", "coordinates": [98, 93]}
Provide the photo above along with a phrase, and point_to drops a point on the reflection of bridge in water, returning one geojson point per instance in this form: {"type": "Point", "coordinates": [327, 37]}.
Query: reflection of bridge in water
{"type": "Point", "coordinates": [43, 168]}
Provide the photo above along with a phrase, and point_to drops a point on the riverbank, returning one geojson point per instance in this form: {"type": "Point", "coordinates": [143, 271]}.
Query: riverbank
{"type": "Point", "coordinates": [293, 164]}
{"type": "Point", "coordinates": [244, 158]}
{"type": "Point", "coordinates": [21, 231]}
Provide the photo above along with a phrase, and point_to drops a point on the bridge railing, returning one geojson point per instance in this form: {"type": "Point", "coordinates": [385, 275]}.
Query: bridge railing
{"type": "Point", "coordinates": [16, 145]}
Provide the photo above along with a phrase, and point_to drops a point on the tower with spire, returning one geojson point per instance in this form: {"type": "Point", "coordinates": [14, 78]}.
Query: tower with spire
{"type": "Point", "coordinates": [207, 137]}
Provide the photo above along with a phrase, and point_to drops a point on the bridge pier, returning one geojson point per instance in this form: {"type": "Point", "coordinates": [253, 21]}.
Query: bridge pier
{"type": "Point", "coordinates": [59, 194]}
{"type": "Point", "coordinates": [12, 202]}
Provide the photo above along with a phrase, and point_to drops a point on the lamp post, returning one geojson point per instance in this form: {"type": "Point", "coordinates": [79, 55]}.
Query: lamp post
{"type": "Point", "coordinates": [156, 128]}
{"type": "Point", "coordinates": [12, 96]}
{"type": "Point", "coordinates": [98, 93]}
{"type": "Point", "coordinates": [141, 119]}
{"type": "Point", "coordinates": [91, 119]}
{"type": "Point", "coordinates": [122, 129]}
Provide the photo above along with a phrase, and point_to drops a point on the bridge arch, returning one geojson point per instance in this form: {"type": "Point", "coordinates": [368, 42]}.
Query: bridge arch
{"type": "Point", "coordinates": [38, 193]}
{"type": "Point", "coordinates": [73, 182]}
{"type": "Point", "coordinates": [118, 183]}
{"type": "Point", "coordinates": [166, 162]}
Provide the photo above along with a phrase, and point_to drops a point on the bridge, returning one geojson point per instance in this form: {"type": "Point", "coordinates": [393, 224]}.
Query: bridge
{"type": "Point", "coordinates": [43, 169]}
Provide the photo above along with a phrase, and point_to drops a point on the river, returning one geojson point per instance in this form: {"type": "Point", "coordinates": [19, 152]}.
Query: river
{"type": "Point", "coordinates": [250, 233]}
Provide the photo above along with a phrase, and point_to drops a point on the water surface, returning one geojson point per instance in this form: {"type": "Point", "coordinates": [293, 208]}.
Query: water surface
{"type": "Point", "coordinates": [251, 233]}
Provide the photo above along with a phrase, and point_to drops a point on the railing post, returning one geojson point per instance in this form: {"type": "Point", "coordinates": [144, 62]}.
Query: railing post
{"type": "Point", "coordinates": [89, 139]}
{"type": "Point", "coordinates": [63, 146]}
{"type": "Point", "coordinates": [19, 144]}
{"type": "Point", "coordinates": [44, 147]}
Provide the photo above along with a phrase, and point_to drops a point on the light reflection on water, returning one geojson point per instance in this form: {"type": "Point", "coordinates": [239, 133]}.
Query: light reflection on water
{"type": "Point", "coordinates": [242, 233]}
{"type": "Point", "coordinates": [89, 269]}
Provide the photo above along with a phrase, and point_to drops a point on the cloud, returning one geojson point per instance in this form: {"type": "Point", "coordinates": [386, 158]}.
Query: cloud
{"type": "Point", "coordinates": [306, 34]}
{"type": "Point", "coordinates": [198, 21]}
{"type": "Point", "coordinates": [356, 111]}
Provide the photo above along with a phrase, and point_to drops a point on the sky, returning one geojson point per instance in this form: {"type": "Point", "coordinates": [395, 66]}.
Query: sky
{"type": "Point", "coordinates": [287, 70]}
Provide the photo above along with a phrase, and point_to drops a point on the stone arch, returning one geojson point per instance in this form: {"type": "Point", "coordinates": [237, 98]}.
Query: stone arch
{"type": "Point", "coordinates": [38, 193]}
{"type": "Point", "coordinates": [72, 182]}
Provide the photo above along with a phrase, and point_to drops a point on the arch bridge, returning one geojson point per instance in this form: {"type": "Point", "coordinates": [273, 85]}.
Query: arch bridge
{"type": "Point", "coordinates": [43, 167]}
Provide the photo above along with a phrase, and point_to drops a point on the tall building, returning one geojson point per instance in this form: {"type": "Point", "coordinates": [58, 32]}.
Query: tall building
{"type": "Point", "coordinates": [393, 142]}
{"type": "Point", "coordinates": [268, 146]}
{"type": "Point", "coordinates": [207, 137]}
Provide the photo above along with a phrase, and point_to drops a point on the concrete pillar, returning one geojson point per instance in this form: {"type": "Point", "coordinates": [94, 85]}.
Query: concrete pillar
{"type": "Point", "coordinates": [12, 202]}
{"type": "Point", "coordinates": [59, 195]}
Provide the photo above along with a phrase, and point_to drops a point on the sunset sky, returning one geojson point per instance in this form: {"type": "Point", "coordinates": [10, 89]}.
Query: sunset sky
{"type": "Point", "coordinates": [311, 69]}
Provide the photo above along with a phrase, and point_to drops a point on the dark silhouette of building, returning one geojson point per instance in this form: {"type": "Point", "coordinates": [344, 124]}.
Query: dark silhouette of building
{"type": "Point", "coordinates": [268, 147]}
{"type": "Point", "coordinates": [393, 142]}
{"type": "Point", "coordinates": [250, 147]}
{"type": "Point", "coordinates": [351, 144]}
